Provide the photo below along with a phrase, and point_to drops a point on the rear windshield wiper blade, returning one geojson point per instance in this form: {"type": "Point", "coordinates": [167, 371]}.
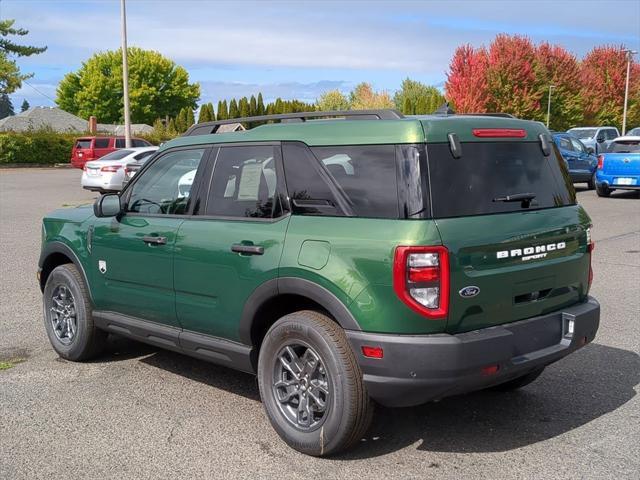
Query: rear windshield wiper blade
{"type": "Point", "coordinates": [525, 198]}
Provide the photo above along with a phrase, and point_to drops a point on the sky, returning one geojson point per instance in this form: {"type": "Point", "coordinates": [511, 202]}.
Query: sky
{"type": "Point", "coordinates": [299, 49]}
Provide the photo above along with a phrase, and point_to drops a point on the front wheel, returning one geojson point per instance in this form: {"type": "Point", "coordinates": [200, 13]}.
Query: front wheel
{"type": "Point", "coordinates": [311, 385]}
{"type": "Point", "coordinates": [591, 184]}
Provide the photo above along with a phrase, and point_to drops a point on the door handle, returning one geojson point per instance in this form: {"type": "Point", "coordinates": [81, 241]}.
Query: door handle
{"type": "Point", "coordinates": [247, 249]}
{"type": "Point", "coordinates": [153, 240]}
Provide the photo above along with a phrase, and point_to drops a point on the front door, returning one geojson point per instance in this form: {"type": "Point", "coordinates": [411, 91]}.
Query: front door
{"type": "Point", "coordinates": [132, 255]}
{"type": "Point", "coordinates": [234, 243]}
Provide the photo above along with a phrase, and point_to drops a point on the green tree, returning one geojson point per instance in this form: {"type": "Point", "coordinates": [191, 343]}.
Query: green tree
{"type": "Point", "coordinates": [189, 117]}
{"type": "Point", "coordinates": [261, 109]}
{"type": "Point", "coordinates": [25, 106]}
{"type": "Point", "coordinates": [204, 115]}
{"type": "Point", "coordinates": [244, 107]}
{"type": "Point", "coordinates": [363, 97]}
{"type": "Point", "coordinates": [6, 107]}
{"type": "Point", "coordinates": [223, 111]}
{"type": "Point", "coordinates": [422, 98]}
{"type": "Point", "coordinates": [332, 100]}
{"type": "Point", "coordinates": [233, 109]}
{"type": "Point", "coordinates": [157, 87]}
{"type": "Point", "coordinates": [10, 76]}
{"type": "Point", "coordinates": [253, 107]}
{"type": "Point", "coordinates": [171, 128]}
{"type": "Point", "coordinates": [181, 121]}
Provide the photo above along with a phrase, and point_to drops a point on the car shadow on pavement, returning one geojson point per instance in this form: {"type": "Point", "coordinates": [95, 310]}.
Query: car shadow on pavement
{"type": "Point", "coordinates": [577, 390]}
{"type": "Point", "coordinates": [573, 392]}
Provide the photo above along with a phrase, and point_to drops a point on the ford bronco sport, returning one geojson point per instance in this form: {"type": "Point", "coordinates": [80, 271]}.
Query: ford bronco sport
{"type": "Point", "coordinates": [342, 257]}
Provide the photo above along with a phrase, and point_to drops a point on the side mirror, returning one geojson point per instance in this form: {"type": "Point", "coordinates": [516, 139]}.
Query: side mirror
{"type": "Point", "coordinates": [107, 205]}
{"type": "Point", "coordinates": [590, 150]}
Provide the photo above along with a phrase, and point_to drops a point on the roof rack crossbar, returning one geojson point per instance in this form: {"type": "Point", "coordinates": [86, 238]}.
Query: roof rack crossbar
{"type": "Point", "coordinates": [211, 127]}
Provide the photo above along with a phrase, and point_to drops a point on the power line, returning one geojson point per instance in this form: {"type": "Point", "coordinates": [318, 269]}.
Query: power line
{"type": "Point", "coordinates": [41, 93]}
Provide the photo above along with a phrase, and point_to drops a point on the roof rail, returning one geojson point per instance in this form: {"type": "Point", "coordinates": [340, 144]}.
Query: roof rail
{"type": "Point", "coordinates": [206, 128]}
{"type": "Point", "coordinates": [496, 114]}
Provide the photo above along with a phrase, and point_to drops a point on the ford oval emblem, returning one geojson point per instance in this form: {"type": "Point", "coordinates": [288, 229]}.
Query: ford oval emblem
{"type": "Point", "coordinates": [468, 292]}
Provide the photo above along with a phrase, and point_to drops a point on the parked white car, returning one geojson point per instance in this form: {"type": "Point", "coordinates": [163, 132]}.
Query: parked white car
{"type": "Point", "coordinates": [107, 173]}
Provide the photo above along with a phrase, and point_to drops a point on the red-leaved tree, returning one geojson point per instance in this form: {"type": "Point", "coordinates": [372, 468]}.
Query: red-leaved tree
{"type": "Point", "coordinates": [603, 73]}
{"type": "Point", "coordinates": [466, 86]}
{"type": "Point", "coordinates": [556, 66]}
{"type": "Point", "coordinates": [513, 84]}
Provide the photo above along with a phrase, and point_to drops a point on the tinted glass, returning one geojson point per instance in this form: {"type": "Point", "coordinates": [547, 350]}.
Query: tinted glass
{"type": "Point", "coordinates": [626, 146]}
{"type": "Point", "coordinates": [564, 143]}
{"type": "Point", "coordinates": [117, 155]}
{"type": "Point", "coordinates": [585, 133]}
{"type": "Point", "coordinates": [610, 134]}
{"type": "Point", "coordinates": [83, 144]}
{"type": "Point", "coordinates": [469, 185]}
{"type": "Point", "coordinates": [101, 143]}
{"type": "Point", "coordinates": [367, 176]}
{"type": "Point", "coordinates": [143, 155]}
{"type": "Point", "coordinates": [120, 143]}
{"type": "Point", "coordinates": [577, 146]}
{"type": "Point", "coordinates": [412, 187]}
{"type": "Point", "coordinates": [136, 142]}
{"type": "Point", "coordinates": [308, 184]}
{"type": "Point", "coordinates": [244, 183]}
{"type": "Point", "coordinates": [165, 187]}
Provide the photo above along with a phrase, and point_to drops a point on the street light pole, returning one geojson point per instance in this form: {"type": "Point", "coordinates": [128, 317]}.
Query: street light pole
{"type": "Point", "coordinates": [125, 76]}
{"type": "Point", "coordinates": [549, 104]}
{"type": "Point", "coordinates": [629, 52]}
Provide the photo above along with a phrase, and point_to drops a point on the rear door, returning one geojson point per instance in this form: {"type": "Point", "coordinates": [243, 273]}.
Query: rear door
{"type": "Point", "coordinates": [233, 242]}
{"type": "Point", "coordinates": [102, 146]}
{"type": "Point", "coordinates": [526, 258]}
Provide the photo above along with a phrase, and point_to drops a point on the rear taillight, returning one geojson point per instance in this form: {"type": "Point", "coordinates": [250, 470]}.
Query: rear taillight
{"type": "Point", "coordinates": [421, 279]}
{"type": "Point", "coordinates": [600, 162]}
{"type": "Point", "coordinates": [499, 132]}
{"type": "Point", "coordinates": [111, 168]}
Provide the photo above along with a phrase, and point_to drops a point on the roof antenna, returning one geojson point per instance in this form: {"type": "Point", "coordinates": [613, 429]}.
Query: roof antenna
{"type": "Point", "coordinates": [444, 109]}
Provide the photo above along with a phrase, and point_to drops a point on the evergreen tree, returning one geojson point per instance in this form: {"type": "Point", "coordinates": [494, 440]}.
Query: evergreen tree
{"type": "Point", "coordinates": [244, 107]}
{"type": "Point", "coordinates": [223, 111]}
{"type": "Point", "coordinates": [190, 118]}
{"type": "Point", "coordinates": [25, 106]}
{"type": "Point", "coordinates": [212, 112]}
{"type": "Point", "coordinates": [253, 107]}
{"type": "Point", "coordinates": [10, 76]}
{"type": "Point", "coordinates": [6, 107]}
{"type": "Point", "coordinates": [407, 108]}
{"type": "Point", "coordinates": [233, 109]}
{"type": "Point", "coordinates": [171, 128]}
{"type": "Point", "coordinates": [182, 120]}
{"type": "Point", "coordinates": [260, 107]}
{"type": "Point", "coordinates": [204, 115]}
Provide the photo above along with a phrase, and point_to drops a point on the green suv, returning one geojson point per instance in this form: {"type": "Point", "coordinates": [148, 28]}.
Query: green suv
{"type": "Point", "coordinates": [345, 258]}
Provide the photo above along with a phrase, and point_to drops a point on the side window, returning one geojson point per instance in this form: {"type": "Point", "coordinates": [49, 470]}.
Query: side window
{"type": "Point", "coordinates": [566, 143]}
{"type": "Point", "coordinates": [142, 155]}
{"type": "Point", "coordinates": [367, 175]}
{"type": "Point", "coordinates": [120, 143]}
{"type": "Point", "coordinates": [308, 185]}
{"type": "Point", "coordinates": [165, 187]}
{"type": "Point", "coordinates": [577, 146]}
{"type": "Point", "coordinates": [136, 142]}
{"type": "Point", "coordinates": [611, 134]}
{"type": "Point", "coordinates": [244, 183]}
{"type": "Point", "coordinates": [101, 142]}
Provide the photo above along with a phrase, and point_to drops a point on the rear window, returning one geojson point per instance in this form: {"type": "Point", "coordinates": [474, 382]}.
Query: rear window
{"type": "Point", "coordinates": [84, 143]}
{"type": "Point", "coordinates": [488, 171]}
{"type": "Point", "coordinates": [625, 146]}
{"type": "Point", "coordinates": [117, 155]}
{"type": "Point", "coordinates": [367, 176]}
{"type": "Point", "coordinates": [136, 142]}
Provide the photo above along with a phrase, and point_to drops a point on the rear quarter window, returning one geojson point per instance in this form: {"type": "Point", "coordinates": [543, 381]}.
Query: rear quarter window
{"type": "Point", "coordinates": [102, 143]}
{"type": "Point", "coordinates": [471, 185]}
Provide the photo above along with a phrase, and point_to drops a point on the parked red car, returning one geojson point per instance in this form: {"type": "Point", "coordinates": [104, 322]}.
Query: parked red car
{"type": "Point", "coordinates": [86, 149]}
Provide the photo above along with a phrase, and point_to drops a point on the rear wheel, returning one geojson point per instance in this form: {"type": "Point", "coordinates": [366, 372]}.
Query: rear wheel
{"type": "Point", "coordinates": [519, 382]}
{"type": "Point", "coordinates": [311, 385]}
{"type": "Point", "coordinates": [68, 315]}
{"type": "Point", "coordinates": [603, 190]}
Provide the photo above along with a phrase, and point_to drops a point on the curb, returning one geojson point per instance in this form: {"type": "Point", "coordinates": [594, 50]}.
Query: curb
{"type": "Point", "coordinates": [35, 165]}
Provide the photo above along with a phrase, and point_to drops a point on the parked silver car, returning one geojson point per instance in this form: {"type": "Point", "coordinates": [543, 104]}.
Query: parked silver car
{"type": "Point", "coordinates": [596, 138]}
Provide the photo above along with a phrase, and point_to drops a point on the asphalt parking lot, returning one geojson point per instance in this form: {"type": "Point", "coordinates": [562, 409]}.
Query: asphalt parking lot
{"type": "Point", "coordinates": [139, 412]}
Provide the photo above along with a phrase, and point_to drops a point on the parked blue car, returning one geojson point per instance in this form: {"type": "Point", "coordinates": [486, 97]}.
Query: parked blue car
{"type": "Point", "coordinates": [619, 167]}
{"type": "Point", "coordinates": [581, 161]}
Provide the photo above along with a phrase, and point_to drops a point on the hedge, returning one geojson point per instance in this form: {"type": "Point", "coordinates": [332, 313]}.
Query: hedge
{"type": "Point", "coordinates": [36, 147]}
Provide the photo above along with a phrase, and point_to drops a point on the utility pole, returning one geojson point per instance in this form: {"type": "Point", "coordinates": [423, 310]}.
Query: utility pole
{"type": "Point", "coordinates": [629, 52]}
{"type": "Point", "coordinates": [548, 103]}
{"type": "Point", "coordinates": [125, 76]}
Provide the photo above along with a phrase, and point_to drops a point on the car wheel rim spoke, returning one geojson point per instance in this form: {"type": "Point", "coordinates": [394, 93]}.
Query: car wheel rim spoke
{"type": "Point", "coordinates": [63, 315]}
{"type": "Point", "coordinates": [301, 386]}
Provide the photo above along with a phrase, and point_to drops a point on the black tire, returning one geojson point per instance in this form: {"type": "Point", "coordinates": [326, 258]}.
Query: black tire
{"type": "Point", "coordinates": [519, 382]}
{"type": "Point", "coordinates": [591, 184]}
{"type": "Point", "coordinates": [348, 409]}
{"type": "Point", "coordinates": [87, 341]}
{"type": "Point", "coordinates": [603, 191]}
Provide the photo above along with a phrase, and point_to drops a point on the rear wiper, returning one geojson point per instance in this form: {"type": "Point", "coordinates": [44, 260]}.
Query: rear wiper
{"type": "Point", "coordinates": [525, 198]}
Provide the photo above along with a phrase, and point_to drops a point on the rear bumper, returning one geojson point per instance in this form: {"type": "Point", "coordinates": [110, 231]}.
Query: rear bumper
{"type": "Point", "coordinates": [417, 369]}
{"type": "Point", "coordinates": [610, 181]}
